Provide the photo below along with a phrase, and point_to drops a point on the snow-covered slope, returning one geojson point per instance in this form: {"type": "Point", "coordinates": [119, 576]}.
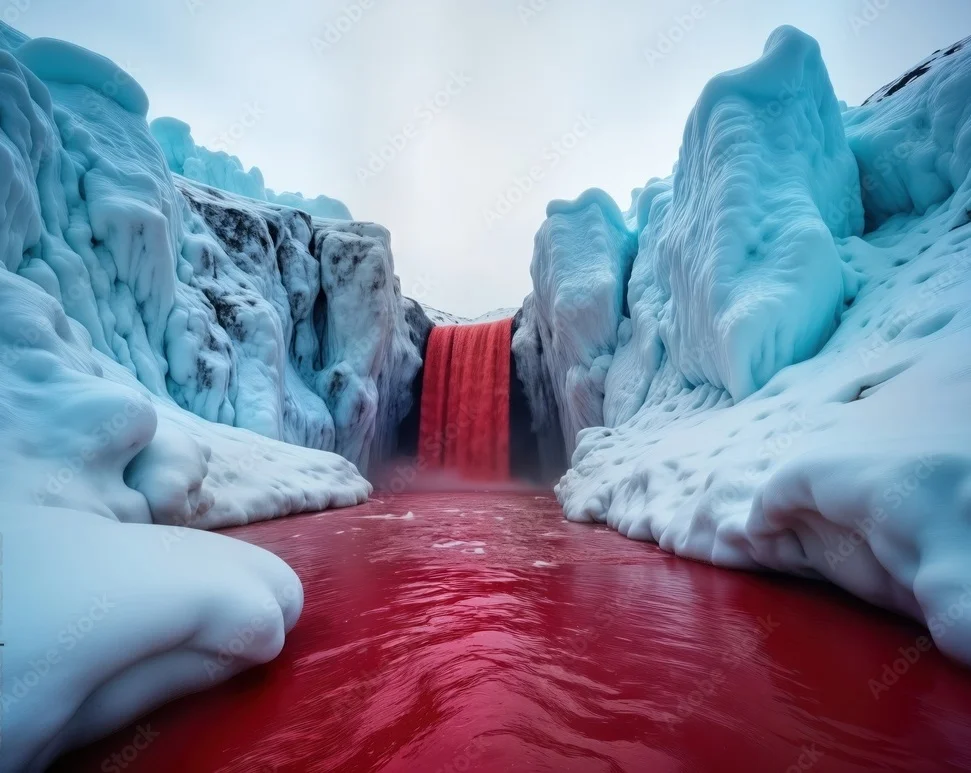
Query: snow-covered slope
{"type": "Point", "coordinates": [439, 317]}
{"type": "Point", "coordinates": [789, 387]}
{"type": "Point", "coordinates": [159, 342]}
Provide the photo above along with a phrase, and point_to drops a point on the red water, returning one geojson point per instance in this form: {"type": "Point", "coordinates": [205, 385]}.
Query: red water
{"type": "Point", "coordinates": [438, 644]}
{"type": "Point", "coordinates": [465, 401]}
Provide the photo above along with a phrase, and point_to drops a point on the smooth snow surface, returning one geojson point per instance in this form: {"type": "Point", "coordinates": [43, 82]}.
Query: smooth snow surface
{"type": "Point", "coordinates": [103, 621]}
{"type": "Point", "coordinates": [789, 386]}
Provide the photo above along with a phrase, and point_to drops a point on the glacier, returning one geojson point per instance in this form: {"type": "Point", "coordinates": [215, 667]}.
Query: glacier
{"type": "Point", "coordinates": [787, 386]}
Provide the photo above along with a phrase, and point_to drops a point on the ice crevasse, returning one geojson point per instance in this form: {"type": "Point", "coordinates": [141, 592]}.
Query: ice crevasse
{"type": "Point", "coordinates": [785, 347]}
{"type": "Point", "coordinates": [171, 356]}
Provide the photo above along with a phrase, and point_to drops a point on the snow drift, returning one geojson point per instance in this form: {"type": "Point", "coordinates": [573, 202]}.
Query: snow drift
{"type": "Point", "coordinates": [171, 356]}
{"type": "Point", "coordinates": [787, 386]}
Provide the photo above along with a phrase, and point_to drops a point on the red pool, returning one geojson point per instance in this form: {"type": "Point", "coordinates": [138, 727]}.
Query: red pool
{"type": "Point", "coordinates": [484, 633]}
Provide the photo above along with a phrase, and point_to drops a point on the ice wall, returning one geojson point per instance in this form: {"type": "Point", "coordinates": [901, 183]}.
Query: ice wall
{"type": "Point", "coordinates": [159, 341]}
{"type": "Point", "coordinates": [218, 300]}
{"type": "Point", "coordinates": [581, 260]}
{"type": "Point", "coordinates": [788, 387]}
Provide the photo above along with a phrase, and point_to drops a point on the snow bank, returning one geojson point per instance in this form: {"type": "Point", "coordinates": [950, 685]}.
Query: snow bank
{"type": "Point", "coordinates": [786, 392]}
{"type": "Point", "coordinates": [218, 169]}
{"type": "Point", "coordinates": [912, 141]}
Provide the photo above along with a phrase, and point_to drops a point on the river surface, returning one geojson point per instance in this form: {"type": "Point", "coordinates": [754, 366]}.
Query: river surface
{"type": "Point", "coordinates": [482, 632]}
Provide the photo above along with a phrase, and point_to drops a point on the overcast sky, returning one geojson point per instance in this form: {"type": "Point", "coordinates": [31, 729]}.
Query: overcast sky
{"type": "Point", "coordinates": [465, 97]}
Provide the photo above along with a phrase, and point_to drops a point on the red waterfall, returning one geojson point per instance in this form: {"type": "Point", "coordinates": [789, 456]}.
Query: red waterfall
{"type": "Point", "coordinates": [465, 401]}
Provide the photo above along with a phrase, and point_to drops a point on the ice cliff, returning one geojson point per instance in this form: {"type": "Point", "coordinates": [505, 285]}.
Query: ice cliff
{"type": "Point", "coordinates": [775, 375]}
{"type": "Point", "coordinates": [166, 348]}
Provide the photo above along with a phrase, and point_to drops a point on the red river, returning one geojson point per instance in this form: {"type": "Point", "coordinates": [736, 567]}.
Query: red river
{"type": "Point", "coordinates": [485, 633]}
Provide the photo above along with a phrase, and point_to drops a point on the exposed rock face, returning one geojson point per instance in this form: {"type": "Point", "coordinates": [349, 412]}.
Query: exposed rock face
{"type": "Point", "coordinates": [307, 312]}
{"type": "Point", "coordinates": [535, 384]}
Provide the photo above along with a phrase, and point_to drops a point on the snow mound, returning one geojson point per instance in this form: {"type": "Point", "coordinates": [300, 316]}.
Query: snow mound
{"type": "Point", "coordinates": [439, 317]}
{"type": "Point", "coordinates": [747, 278]}
{"type": "Point", "coordinates": [94, 638]}
{"type": "Point", "coordinates": [218, 169]}
{"type": "Point", "coordinates": [785, 391]}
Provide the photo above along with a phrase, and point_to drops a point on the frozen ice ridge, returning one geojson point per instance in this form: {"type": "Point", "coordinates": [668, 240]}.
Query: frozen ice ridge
{"type": "Point", "coordinates": [219, 169]}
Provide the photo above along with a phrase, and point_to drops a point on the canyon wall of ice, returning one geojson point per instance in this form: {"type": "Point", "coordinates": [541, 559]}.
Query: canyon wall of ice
{"type": "Point", "coordinates": [171, 355]}
{"type": "Point", "coordinates": [776, 376]}
{"type": "Point", "coordinates": [244, 312]}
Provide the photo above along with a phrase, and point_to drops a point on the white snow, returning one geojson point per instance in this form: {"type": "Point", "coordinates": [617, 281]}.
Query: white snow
{"type": "Point", "coordinates": [790, 391]}
{"type": "Point", "coordinates": [439, 317]}
{"type": "Point", "coordinates": [104, 621]}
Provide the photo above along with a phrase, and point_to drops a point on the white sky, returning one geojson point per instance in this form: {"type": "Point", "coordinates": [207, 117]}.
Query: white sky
{"type": "Point", "coordinates": [531, 75]}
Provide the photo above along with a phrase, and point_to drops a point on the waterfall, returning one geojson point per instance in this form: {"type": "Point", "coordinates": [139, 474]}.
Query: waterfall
{"type": "Point", "coordinates": [464, 425]}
